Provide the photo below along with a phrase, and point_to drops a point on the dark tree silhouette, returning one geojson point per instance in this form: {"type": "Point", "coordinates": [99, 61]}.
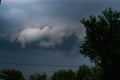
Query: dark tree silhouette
{"type": "Point", "coordinates": [86, 73]}
{"type": "Point", "coordinates": [82, 73]}
{"type": "Point", "coordinates": [38, 76]}
{"type": "Point", "coordinates": [63, 75]}
{"type": "Point", "coordinates": [102, 42]}
{"type": "Point", "coordinates": [12, 74]}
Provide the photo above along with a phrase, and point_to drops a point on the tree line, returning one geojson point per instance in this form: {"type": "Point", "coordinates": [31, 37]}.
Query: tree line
{"type": "Point", "coordinates": [83, 73]}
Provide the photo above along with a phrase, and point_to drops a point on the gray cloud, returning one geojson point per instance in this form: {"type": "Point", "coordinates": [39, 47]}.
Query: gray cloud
{"type": "Point", "coordinates": [49, 12]}
{"type": "Point", "coordinates": [45, 37]}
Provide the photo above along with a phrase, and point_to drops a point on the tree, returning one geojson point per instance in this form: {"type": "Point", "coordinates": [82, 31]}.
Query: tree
{"type": "Point", "coordinates": [86, 73]}
{"type": "Point", "coordinates": [102, 42]}
{"type": "Point", "coordinates": [96, 73]}
{"type": "Point", "coordinates": [63, 75]}
{"type": "Point", "coordinates": [83, 73]}
{"type": "Point", "coordinates": [38, 76]}
{"type": "Point", "coordinates": [12, 74]}
{"type": "Point", "coordinates": [70, 75]}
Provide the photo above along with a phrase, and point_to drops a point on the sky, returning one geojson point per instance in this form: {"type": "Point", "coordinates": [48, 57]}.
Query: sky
{"type": "Point", "coordinates": [45, 32]}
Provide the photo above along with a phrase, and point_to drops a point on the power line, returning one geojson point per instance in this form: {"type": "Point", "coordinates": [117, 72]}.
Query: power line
{"type": "Point", "coordinates": [39, 65]}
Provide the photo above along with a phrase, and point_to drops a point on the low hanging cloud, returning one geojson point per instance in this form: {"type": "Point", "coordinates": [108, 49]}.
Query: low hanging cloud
{"type": "Point", "coordinates": [44, 37]}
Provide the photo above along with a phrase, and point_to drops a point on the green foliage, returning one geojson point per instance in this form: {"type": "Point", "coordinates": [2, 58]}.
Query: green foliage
{"type": "Point", "coordinates": [12, 74]}
{"type": "Point", "coordinates": [96, 73]}
{"type": "Point", "coordinates": [63, 75]}
{"type": "Point", "coordinates": [102, 42]}
{"type": "Point", "coordinates": [83, 73]}
{"type": "Point", "coordinates": [38, 76]}
{"type": "Point", "coordinates": [86, 73]}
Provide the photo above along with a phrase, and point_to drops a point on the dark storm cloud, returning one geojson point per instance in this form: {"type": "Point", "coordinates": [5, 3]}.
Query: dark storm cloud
{"type": "Point", "coordinates": [62, 14]}
{"type": "Point", "coordinates": [49, 12]}
{"type": "Point", "coordinates": [9, 20]}
{"type": "Point", "coordinates": [51, 39]}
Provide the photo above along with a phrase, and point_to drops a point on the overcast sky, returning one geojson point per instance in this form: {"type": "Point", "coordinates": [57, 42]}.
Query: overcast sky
{"type": "Point", "coordinates": [45, 32]}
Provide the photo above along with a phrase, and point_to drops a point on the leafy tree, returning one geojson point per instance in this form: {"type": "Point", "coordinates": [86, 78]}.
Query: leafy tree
{"type": "Point", "coordinates": [70, 75]}
{"type": "Point", "coordinates": [86, 73]}
{"type": "Point", "coordinates": [102, 42]}
{"type": "Point", "coordinates": [82, 72]}
{"type": "Point", "coordinates": [38, 76]}
{"type": "Point", "coordinates": [63, 75]}
{"type": "Point", "coordinates": [96, 73]}
{"type": "Point", "coordinates": [12, 74]}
